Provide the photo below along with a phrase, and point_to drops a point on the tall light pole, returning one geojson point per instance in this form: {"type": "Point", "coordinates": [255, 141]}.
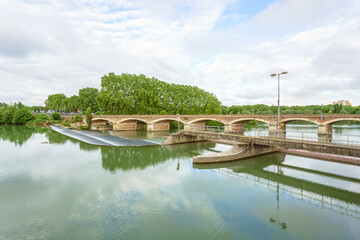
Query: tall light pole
{"type": "Point", "coordinates": [273, 75]}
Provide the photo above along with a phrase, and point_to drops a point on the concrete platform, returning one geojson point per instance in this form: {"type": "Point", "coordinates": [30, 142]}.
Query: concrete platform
{"type": "Point", "coordinates": [237, 152]}
{"type": "Point", "coordinates": [101, 139]}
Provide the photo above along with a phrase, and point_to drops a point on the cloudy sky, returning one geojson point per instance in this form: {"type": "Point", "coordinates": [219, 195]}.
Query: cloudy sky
{"type": "Point", "coordinates": [227, 47]}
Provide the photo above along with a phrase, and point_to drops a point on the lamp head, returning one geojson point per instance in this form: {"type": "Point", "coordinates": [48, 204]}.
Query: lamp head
{"type": "Point", "coordinates": [273, 75]}
{"type": "Point", "coordinates": [284, 72]}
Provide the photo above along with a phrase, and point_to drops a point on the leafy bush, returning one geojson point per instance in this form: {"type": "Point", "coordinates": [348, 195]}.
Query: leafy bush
{"type": "Point", "coordinates": [21, 116]}
{"type": "Point", "coordinates": [56, 116]}
{"type": "Point", "coordinates": [8, 115]}
{"type": "Point", "coordinates": [84, 127]}
{"type": "Point", "coordinates": [66, 124]}
{"type": "Point", "coordinates": [77, 118]}
{"type": "Point", "coordinates": [41, 117]}
{"type": "Point", "coordinates": [88, 117]}
{"type": "Point", "coordinates": [2, 110]}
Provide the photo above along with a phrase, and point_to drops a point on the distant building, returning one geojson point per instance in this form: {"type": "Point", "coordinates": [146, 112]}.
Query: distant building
{"type": "Point", "coordinates": [343, 102]}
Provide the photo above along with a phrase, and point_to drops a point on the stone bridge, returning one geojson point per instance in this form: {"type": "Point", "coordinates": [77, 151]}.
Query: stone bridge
{"type": "Point", "coordinates": [232, 123]}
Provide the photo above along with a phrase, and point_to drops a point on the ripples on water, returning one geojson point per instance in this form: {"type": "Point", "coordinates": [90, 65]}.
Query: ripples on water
{"type": "Point", "coordinates": [53, 187]}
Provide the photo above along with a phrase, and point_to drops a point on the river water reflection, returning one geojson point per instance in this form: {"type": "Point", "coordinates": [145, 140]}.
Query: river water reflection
{"type": "Point", "coordinates": [54, 187]}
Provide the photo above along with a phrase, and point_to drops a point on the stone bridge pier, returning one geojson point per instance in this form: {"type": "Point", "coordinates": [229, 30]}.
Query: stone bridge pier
{"type": "Point", "coordinates": [194, 126]}
{"type": "Point", "coordinates": [325, 133]}
{"type": "Point", "coordinates": [234, 128]}
{"type": "Point", "coordinates": [159, 126]}
{"type": "Point", "coordinates": [130, 125]}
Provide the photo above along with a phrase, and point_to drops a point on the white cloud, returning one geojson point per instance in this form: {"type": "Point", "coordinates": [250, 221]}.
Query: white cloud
{"type": "Point", "coordinates": [49, 46]}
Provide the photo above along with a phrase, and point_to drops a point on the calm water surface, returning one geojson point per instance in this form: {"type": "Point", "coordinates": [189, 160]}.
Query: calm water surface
{"type": "Point", "coordinates": [53, 187]}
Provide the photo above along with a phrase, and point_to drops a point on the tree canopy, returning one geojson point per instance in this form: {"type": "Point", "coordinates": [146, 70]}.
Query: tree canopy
{"type": "Point", "coordinates": [138, 94]}
{"type": "Point", "coordinates": [309, 109]}
{"type": "Point", "coordinates": [55, 101]}
{"type": "Point", "coordinates": [87, 99]}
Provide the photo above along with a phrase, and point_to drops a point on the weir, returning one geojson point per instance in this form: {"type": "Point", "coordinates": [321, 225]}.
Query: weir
{"type": "Point", "coordinates": [316, 147]}
{"type": "Point", "coordinates": [100, 139]}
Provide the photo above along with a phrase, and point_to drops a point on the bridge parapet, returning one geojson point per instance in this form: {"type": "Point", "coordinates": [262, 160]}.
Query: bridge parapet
{"type": "Point", "coordinates": [232, 123]}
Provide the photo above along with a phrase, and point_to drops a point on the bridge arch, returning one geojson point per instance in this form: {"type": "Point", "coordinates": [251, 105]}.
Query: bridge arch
{"type": "Point", "coordinates": [244, 120]}
{"type": "Point", "coordinates": [101, 119]}
{"type": "Point", "coordinates": [131, 124]}
{"type": "Point", "coordinates": [200, 123]}
{"type": "Point", "coordinates": [132, 120]}
{"type": "Point", "coordinates": [102, 124]}
{"type": "Point", "coordinates": [287, 120]}
{"type": "Point", "coordinates": [204, 120]}
{"type": "Point", "coordinates": [167, 120]}
{"type": "Point", "coordinates": [341, 119]}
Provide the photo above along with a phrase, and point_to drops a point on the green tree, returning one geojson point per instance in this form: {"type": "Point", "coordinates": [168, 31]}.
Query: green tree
{"type": "Point", "coordinates": [87, 98]}
{"type": "Point", "coordinates": [73, 103]}
{"type": "Point", "coordinates": [56, 101]}
{"type": "Point", "coordinates": [337, 108]}
{"type": "Point", "coordinates": [21, 116]}
{"type": "Point", "coordinates": [138, 94]}
{"type": "Point", "coordinates": [88, 114]}
{"type": "Point", "coordinates": [56, 116]}
{"type": "Point", "coordinates": [343, 111]}
{"type": "Point", "coordinates": [2, 111]}
{"type": "Point", "coordinates": [9, 114]}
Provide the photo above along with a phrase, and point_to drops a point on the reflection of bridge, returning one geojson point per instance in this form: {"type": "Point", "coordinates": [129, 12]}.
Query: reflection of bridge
{"type": "Point", "coordinates": [328, 196]}
{"type": "Point", "coordinates": [232, 123]}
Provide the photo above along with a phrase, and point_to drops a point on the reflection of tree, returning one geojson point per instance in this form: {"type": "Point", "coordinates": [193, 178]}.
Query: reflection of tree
{"type": "Point", "coordinates": [55, 137]}
{"type": "Point", "coordinates": [17, 134]}
{"type": "Point", "coordinates": [127, 158]}
{"type": "Point", "coordinates": [87, 147]}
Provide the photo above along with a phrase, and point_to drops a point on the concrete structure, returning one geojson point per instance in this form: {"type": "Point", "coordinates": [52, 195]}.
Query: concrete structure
{"type": "Point", "coordinates": [237, 152]}
{"type": "Point", "coordinates": [232, 123]}
{"type": "Point", "coordinates": [100, 139]}
{"type": "Point", "coordinates": [192, 136]}
{"type": "Point", "coordinates": [343, 102]}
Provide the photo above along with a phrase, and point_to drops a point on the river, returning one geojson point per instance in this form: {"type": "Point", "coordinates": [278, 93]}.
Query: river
{"type": "Point", "coordinates": [54, 187]}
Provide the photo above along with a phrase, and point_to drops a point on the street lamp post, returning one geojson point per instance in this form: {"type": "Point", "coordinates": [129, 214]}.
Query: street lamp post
{"type": "Point", "coordinates": [273, 75]}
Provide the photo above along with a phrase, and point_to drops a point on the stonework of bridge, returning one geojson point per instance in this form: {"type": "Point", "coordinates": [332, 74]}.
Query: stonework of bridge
{"type": "Point", "coordinates": [315, 147]}
{"type": "Point", "coordinates": [232, 123]}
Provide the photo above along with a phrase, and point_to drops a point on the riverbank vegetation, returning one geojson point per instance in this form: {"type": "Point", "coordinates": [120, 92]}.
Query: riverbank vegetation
{"type": "Point", "coordinates": [309, 109]}
{"type": "Point", "coordinates": [19, 114]}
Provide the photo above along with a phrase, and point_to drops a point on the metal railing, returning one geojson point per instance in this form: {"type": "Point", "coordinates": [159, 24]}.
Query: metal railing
{"type": "Point", "coordinates": [215, 128]}
{"type": "Point", "coordinates": [306, 136]}
{"type": "Point", "coordinates": [338, 139]}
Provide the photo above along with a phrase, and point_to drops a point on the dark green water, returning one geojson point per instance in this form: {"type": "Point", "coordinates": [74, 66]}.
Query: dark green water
{"type": "Point", "coordinates": [72, 190]}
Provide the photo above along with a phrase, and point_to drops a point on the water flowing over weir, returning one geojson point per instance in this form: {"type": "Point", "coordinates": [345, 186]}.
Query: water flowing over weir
{"type": "Point", "coordinates": [101, 139]}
